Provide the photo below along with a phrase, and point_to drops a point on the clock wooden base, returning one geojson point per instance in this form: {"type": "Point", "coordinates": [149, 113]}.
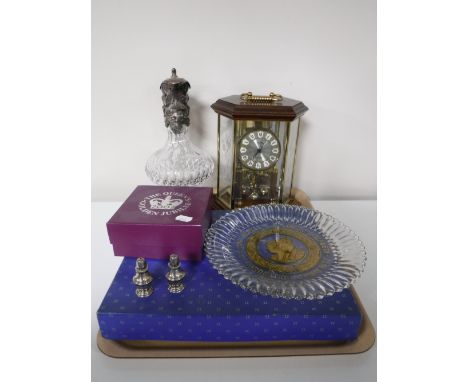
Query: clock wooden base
{"type": "Point", "coordinates": [298, 197]}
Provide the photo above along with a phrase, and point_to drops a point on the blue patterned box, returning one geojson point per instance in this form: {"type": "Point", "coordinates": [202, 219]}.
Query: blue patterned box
{"type": "Point", "coordinates": [211, 308]}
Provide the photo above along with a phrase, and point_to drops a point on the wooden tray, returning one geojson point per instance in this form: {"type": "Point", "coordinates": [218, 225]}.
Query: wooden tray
{"type": "Point", "coordinates": [169, 349]}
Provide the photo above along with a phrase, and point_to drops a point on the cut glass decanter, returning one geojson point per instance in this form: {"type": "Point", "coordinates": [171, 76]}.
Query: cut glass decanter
{"type": "Point", "coordinates": [179, 162]}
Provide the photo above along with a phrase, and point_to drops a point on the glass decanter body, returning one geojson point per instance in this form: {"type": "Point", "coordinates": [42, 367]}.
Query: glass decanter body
{"type": "Point", "coordinates": [179, 162]}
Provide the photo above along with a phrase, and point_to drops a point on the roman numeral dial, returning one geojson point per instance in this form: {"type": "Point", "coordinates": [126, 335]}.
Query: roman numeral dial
{"type": "Point", "coordinates": [259, 150]}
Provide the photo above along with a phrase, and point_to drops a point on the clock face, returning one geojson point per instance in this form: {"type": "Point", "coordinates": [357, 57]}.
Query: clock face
{"type": "Point", "coordinates": [259, 149]}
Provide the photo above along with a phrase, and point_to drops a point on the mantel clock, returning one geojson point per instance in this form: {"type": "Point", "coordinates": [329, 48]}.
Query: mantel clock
{"type": "Point", "coordinates": [257, 140]}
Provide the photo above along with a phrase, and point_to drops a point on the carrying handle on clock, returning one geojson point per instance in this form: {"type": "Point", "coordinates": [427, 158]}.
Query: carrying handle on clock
{"type": "Point", "coordinates": [272, 97]}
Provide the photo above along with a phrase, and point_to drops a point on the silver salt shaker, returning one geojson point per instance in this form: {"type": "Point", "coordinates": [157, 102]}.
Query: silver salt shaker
{"type": "Point", "coordinates": [175, 275]}
{"type": "Point", "coordinates": [142, 278]}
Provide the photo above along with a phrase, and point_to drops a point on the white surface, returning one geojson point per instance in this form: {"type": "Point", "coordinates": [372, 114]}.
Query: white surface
{"type": "Point", "coordinates": [322, 52]}
{"type": "Point", "coordinates": [359, 215]}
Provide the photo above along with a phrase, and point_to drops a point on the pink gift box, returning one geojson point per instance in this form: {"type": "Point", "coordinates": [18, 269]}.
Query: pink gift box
{"type": "Point", "coordinates": [156, 221]}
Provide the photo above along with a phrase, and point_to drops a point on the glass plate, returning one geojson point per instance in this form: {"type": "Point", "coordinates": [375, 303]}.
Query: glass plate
{"type": "Point", "coordinates": [285, 251]}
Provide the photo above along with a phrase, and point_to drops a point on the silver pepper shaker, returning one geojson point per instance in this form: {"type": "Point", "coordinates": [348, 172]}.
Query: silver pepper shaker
{"type": "Point", "coordinates": [175, 275]}
{"type": "Point", "coordinates": [142, 278]}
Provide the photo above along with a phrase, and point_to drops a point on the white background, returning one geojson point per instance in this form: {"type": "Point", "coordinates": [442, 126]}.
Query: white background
{"type": "Point", "coordinates": [422, 209]}
{"type": "Point", "coordinates": [322, 52]}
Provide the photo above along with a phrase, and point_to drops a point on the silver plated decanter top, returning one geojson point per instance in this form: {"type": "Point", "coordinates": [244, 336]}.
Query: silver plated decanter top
{"type": "Point", "coordinates": [179, 162]}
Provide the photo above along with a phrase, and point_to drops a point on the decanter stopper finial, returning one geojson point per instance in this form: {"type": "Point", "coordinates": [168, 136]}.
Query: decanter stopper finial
{"type": "Point", "coordinates": [175, 102]}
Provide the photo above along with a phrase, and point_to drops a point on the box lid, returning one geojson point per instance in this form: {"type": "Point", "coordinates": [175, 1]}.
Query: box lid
{"type": "Point", "coordinates": [151, 213]}
{"type": "Point", "coordinates": [211, 308]}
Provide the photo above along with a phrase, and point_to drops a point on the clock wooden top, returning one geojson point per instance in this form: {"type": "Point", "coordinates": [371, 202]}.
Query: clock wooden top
{"type": "Point", "coordinates": [234, 107]}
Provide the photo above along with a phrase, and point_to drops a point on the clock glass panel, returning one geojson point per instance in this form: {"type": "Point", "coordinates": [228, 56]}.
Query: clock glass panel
{"type": "Point", "coordinates": [252, 161]}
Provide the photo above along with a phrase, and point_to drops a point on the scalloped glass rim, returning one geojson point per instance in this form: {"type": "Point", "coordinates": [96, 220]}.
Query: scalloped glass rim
{"type": "Point", "coordinates": [345, 260]}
